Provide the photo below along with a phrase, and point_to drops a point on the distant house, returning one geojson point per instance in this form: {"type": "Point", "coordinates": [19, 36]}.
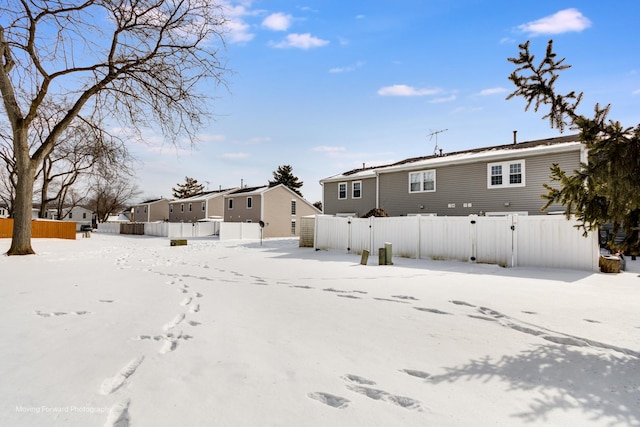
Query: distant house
{"type": "Point", "coordinates": [78, 214]}
{"type": "Point", "coordinates": [278, 207]}
{"type": "Point", "coordinates": [151, 210]}
{"type": "Point", "coordinates": [201, 206]}
{"type": "Point", "coordinates": [4, 211]}
{"type": "Point", "coordinates": [486, 181]}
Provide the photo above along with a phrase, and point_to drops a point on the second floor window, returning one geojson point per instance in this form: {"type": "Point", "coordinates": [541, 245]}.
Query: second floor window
{"type": "Point", "coordinates": [422, 181]}
{"type": "Point", "coordinates": [356, 189]}
{"type": "Point", "coordinates": [342, 190]}
{"type": "Point", "coordinates": [230, 204]}
{"type": "Point", "coordinates": [293, 207]}
{"type": "Point", "coordinates": [249, 202]}
{"type": "Point", "coordinates": [506, 174]}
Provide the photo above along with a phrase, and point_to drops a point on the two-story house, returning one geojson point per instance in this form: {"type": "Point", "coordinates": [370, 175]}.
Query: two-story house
{"type": "Point", "coordinates": [209, 204]}
{"type": "Point", "coordinates": [278, 207]}
{"type": "Point", "coordinates": [151, 210]}
{"type": "Point", "coordinates": [487, 181]}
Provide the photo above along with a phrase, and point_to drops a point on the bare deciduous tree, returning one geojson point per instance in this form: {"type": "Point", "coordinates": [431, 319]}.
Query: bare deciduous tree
{"type": "Point", "coordinates": [137, 62]}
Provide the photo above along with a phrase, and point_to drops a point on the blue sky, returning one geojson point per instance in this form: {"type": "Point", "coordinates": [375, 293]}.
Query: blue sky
{"type": "Point", "coordinates": [326, 86]}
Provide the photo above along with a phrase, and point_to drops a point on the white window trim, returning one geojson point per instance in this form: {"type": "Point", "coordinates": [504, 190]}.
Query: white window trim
{"type": "Point", "coordinates": [505, 174]}
{"type": "Point", "coordinates": [230, 204]}
{"type": "Point", "coordinates": [345, 191]}
{"type": "Point", "coordinates": [294, 207]}
{"type": "Point", "coordinates": [249, 202]}
{"type": "Point", "coordinates": [422, 190]}
{"type": "Point", "coordinates": [353, 183]}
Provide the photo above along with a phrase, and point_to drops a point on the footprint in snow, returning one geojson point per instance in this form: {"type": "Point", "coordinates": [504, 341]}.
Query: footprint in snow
{"type": "Point", "coordinates": [329, 399]}
{"type": "Point", "coordinates": [112, 384]}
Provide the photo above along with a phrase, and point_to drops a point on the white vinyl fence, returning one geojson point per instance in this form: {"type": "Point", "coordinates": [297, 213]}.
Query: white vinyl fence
{"type": "Point", "coordinates": [509, 241]}
{"type": "Point", "coordinates": [170, 229]}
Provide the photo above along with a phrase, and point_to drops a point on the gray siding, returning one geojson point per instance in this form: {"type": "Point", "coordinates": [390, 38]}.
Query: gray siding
{"type": "Point", "coordinates": [467, 184]}
{"type": "Point", "coordinates": [332, 205]}
{"type": "Point", "coordinates": [240, 212]}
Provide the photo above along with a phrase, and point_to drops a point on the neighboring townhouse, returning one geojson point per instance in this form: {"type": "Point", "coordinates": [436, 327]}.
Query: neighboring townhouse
{"type": "Point", "coordinates": [278, 207]}
{"type": "Point", "coordinates": [485, 181]}
{"type": "Point", "coordinates": [209, 204]}
{"type": "Point", "coordinates": [151, 210]}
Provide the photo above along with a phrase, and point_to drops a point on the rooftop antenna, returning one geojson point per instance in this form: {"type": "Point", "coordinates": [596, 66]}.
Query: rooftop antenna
{"type": "Point", "coordinates": [436, 149]}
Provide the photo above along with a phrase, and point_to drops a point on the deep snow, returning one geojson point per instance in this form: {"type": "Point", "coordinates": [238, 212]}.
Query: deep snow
{"type": "Point", "coordinates": [128, 331]}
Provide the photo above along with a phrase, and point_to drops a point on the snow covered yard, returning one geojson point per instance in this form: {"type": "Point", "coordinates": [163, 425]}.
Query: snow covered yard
{"type": "Point", "coordinates": [128, 331]}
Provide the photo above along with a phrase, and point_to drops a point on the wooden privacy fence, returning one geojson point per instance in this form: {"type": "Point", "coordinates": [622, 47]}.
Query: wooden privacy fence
{"type": "Point", "coordinates": [509, 241]}
{"type": "Point", "coordinates": [42, 229]}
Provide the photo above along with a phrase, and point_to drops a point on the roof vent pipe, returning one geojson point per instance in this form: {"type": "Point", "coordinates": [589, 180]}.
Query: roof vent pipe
{"type": "Point", "coordinates": [515, 140]}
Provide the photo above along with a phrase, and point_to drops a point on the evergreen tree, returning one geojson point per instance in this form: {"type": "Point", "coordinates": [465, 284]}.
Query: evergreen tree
{"type": "Point", "coordinates": [284, 175]}
{"type": "Point", "coordinates": [606, 189]}
{"type": "Point", "coordinates": [188, 189]}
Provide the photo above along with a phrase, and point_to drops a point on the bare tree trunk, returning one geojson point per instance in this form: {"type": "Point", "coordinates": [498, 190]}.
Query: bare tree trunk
{"type": "Point", "coordinates": [22, 208]}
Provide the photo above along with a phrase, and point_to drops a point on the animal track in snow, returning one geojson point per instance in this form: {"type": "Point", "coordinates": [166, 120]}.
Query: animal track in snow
{"type": "Point", "coordinates": [431, 310]}
{"type": "Point", "coordinates": [335, 290]}
{"type": "Point", "coordinates": [61, 313]}
{"type": "Point", "coordinates": [456, 302]}
{"type": "Point", "coordinates": [391, 300]}
{"type": "Point", "coordinates": [358, 379]}
{"type": "Point", "coordinates": [405, 297]}
{"type": "Point", "coordinates": [414, 373]}
{"type": "Point", "coordinates": [375, 394]}
{"type": "Point", "coordinates": [194, 308]}
{"type": "Point", "coordinates": [591, 321]}
{"type": "Point", "coordinates": [114, 383]}
{"type": "Point", "coordinates": [329, 399]}
{"type": "Point", "coordinates": [119, 415]}
{"type": "Point", "coordinates": [108, 301]}
{"type": "Point", "coordinates": [186, 301]}
{"type": "Point", "coordinates": [348, 296]}
{"type": "Point", "coordinates": [301, 286]}
{"type": "Point", "coordinates": [175, 322]}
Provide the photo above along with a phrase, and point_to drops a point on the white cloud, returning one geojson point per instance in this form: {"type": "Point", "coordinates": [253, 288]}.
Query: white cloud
{"type": "Point", "coordinates": [564, 21]}
{"type": "Point", "coordinates": [442, 100]}
{"type": "Point", "coordinates": [492, 91]}
{"type": "Point", "coordinates": [636, 92]}
{"type": "Point", "coordinates": [203, 137]}
{"type": "Point", "coordinates": [404, 90]}
{"type": "Point", "coordinates": [238, 31]}
{"type": "Point", "coordinates": [507, 40]}
{"type": "Point", "coordinates": [361, 16]}
{"type": "Point", "coordinates": [277, 22]}
{"type": "Point", "coordinates": [234, 155]}
{"type": "Point", "coordinates": [347, 69]}
{"type": "Point", "coordinates": [300, 41]}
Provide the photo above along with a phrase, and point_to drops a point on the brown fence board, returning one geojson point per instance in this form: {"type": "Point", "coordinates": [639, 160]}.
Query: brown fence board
{"type": "Point", "coordinates": [42, 229]}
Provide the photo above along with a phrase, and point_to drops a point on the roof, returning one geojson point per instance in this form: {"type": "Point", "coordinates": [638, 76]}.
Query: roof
{"type": "Point", "coordinates": [561, 143]}
{"type": "Point", "coordinates": [204, 195]}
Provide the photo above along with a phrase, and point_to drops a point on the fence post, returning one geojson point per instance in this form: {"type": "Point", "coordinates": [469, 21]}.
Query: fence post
{"type": "Point", "coordinates": [473, 234]}
{"type": "Point", "coordinates": [513, 253]}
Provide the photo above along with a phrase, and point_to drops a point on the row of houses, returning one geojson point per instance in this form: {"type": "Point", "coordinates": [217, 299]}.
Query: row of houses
{"type": "Point", "coordinates": [277, 208]}
{"type": "Point", "coordinates": [497, 180]}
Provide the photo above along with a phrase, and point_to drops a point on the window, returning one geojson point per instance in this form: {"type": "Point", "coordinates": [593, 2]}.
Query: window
{"type": "Point", "coordinates": [293, 207]}
{"type": "Point", "coordinates": [249, 202]}
{"type": "Point", "coordinates": [145, 209]}
{"type": "Point", "coordinates": [506, 174]}
{"type": "Point", "coordinates": [422, 181]}
{"type": "Point", "coordinates": [230, 204]}
{"type": "Point", "coordinates": [342, 190]}
{"type": "Point", "coordinates": [356, 189]}
{"type": "Point", "coordinates": [170, 208]}
{"type": "Point", "coordinates": [84, 215]}
{"type": "Point", "coordinates": [293, 227]}
{"type": "Point", "coordinates": [189, 207]}
{"type": "Point", "coordinates": [181, 207]}
{"type": "Point", "coordinates": [70, 215]}
{"type": "Point", "coordinates": [204, 206]}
